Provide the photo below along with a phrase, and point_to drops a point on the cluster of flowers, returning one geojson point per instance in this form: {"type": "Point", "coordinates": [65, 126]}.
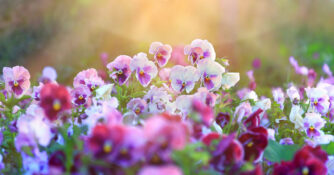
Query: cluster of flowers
{"type": "Point", "coordinates": [147, 119]}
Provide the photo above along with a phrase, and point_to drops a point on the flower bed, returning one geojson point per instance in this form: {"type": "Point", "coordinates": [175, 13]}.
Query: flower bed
{"type": "Point", "coordinates": [152, 117]}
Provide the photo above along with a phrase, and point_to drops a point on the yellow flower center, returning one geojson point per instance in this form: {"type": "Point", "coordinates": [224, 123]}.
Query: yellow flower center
{"type": "Point", "coordinates": [80, 97]}
{"type": "Point", "coordinates": [124, 151]}
{"type": "Point", "coordinates": [107, 147]}
{"type": "Point", "coordinates": [315, 103]}
{"type": "Point", "coordinates": [305, 171]}
{"type": "Point", "coordinates": [56, 105]}
{"type": "Point", "coordinates": [137, 111]}
{"type": "Point", "coordinates": [311, 128]}
{"type": "Point", "coordinates": [250, 144]}
{"type": "Point", "coordinates": [184, 84]}
{"type": "Point", "coordinates": [16, 83]}
{"type": "Point", "coordinates": [207, 78]}
{"type": "Point", "coordinates": [141, 72]}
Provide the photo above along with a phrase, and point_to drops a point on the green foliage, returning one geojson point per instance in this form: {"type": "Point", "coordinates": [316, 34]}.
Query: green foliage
{"type": "Point", "coordinates": [329, 148]}
{"type": "Point", "coordinates": [276, 152]}
{"type": "Point", "coordinates": [191, 158]}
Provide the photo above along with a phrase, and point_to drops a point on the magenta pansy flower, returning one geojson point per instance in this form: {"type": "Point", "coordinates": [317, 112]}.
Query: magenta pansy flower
{"type": "Point", "coordinates": [88, 77]}
{"type": "Point", "coordinates": [184, 78]}
{"type": "Point", "coordinates": [145, 69]}
{"type": "Point", "coordinates": [211, 74]}
{"type": "Point", "coordinates": [17, 79]}
{"type": "Point", "coordinates": [119, 69]}
{"type": "Point", "coordinates": [161, 52]}
{"type": "Point", "coordinates": [198, 50]}
{"type": "Point", "coordinates": [313, 123]}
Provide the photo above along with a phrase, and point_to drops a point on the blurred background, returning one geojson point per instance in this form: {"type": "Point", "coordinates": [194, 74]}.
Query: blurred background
{"type": "Point", "coordinates": [71, 35]}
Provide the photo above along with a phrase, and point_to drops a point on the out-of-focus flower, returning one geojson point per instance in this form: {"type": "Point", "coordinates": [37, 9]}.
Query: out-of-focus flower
{"type": "Point", "coordinates": [244, 109]}
{"type": "Point", "coordinates": [311, 77]}
{"type": "Point", "coordinates": [164, 74]}
{"type": "Point", "coordinates": [222, 119]}
{"type": "Point", "coordinates": [313, 123]}
{"type": "Point", "coordinates": [17, 80]}
{"type": "Point", "coordinates": [286, 141]}
{"type": "Point", "coordinates": [230, 79]}
{"type": "Point", "coordinates": [54, 99]}
{"type": "Point", "coordinates": [177, 57]}
{"type": "Point", "coordinates": [158, 100]}
{"type": "Point", "coordinates": [308, 160]}
{"type": "Point", "coordinates": [89, 78]}
{"type": "Point", "coordinates": [80, 95]}
{"type": "Point", "coordinates": [296, 116]}
{"type": "Point", "coordinates": [256, 63]}
{"type": "Point", "coordinates": [206, 96]}
{"type": "Point", "coordinates": [299, 70]}
{"type": "Point", "coordinates": [184, 104]}
{"type": "Point", "coordinates": [327, 70]}
{"type": "Point", "coordinates": [183, 78]}
{"type": "Point", "coordinates": [36, 92]}
{"type": "Point", "coordinates": [252, 83]}
{"type": "Point", "coordinates": [229, 151]}
{"type": "Point", "coordinates": [49, 75]}
{"type": "Point", "coordinates": [207, 139]}
{"type": "Point", "coordinates": [161, 52]}
{"type": "Point", "coordinates": [205, 111]}
{"type": "Point", "coordinates": [293, 94]}
{"type": "Point", "coordinates": [251, 95]}
{"type": "Point", "coordinates": [160, 170]}
{"type": "Point", "coordinates": [199, 49]}
{"type": "Point", "coordinates": [119, 69]}
{"type": "Point", "coordinates": [104, 92]}
{"type": "Point", "coordinates": [164, 133]}
{"type": "Point", "coordinates": [279, 97]}
{"type": "Point", "coordinates": [253, 120]}
{"type": "Point", "coordinates": [254, 142]}
{"type": "Point", "coordinates": [145, 69]}
{"type": "Point", "coordinates": [211, 73]}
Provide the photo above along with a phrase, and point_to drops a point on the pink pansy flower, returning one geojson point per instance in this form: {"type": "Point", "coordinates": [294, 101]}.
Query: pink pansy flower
{"type": "Point", "coordinates": [119, 69]}
{"type": "Point", "coordinates": [252, 83]}
{"type": "Point", "coordinates": [244, 109]}
{"type": "Point", "coordinates": [177, 57]}
{"type": "Point", "coordinates": [161, 170]}
{"type": "Point", "coordinates": [199, 49]}
{"type": "Point", "coordinates": [17, 79]}
{"type": "Point", "coordinates": [145, 69]}
{"type": "Point", "coordinates": [293, 94]}
{"type": "Point", "coordinates": [80, 95]}
{"type": "Point", "coordinates": [206, 96]}
{"type": "Point", "coordinates": [211, 74]}
{"type": "Point", "coordinates": [313, 123]}
{"type": "Point", "coordinates": [164, 74]}
{"type": "Point", "coordinates": [184, 78]}
{"type": "Point", "coordinates": [88, 77]}
{"type": "Point", "coordinates": [49, 75]}
{"type": "Point", "coordinates": [161, 52]}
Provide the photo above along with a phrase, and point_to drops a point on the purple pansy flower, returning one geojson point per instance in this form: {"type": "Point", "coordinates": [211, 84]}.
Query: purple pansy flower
{"type": "Point", "coordinates": [137, 105]}
{"type": "Point", "coordinates": [119, 69]}
{"type": "Point", "coordinates": [313, 123]}
{"type": "Point", "coordinates": [161, 52]}
{"type": "Point", "coordinates": [319, 99]}
{"type": "Point", "coordinates": [145, 69]}
{"type": "Point", "coordinates": [49, 75]}
{"type": "Point", "coordinates": [183, 78]}
{"type": "Point", "coordinates": [211, 74]}
{"type": "Point", "coordinates": [199, 49]}
{"type": "Point", "coordinates": [302, 70]}
{"type": "Point", "coordinates": [80, 95]}
{"type": "Point", "coordinates": [17, 79]}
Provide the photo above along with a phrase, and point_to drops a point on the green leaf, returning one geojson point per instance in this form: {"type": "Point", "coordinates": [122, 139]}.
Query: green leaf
{"type": "Point", "coordinates": [329, 148]}
{"type": "Point", "coordinates": [2, 97]}
{"type": "Point", "coordinates": [276, 152]}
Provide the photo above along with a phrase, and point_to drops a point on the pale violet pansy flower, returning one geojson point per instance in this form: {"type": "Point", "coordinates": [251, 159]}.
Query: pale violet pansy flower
{"type": "Point", "coordinates": [183, 78]}
{"type": "Point", "coordinates": [119, 69]}
{"type": "Point", "coordinates": [198, 50]}
{"type": "Point", "coordinates": [211, 74]}
{"type": "Point", "coordinates": [161, 52]}
{"type": "Point", "coordinates": [312, 124]}
{"type": "Point", "coordinates": [145, 69]}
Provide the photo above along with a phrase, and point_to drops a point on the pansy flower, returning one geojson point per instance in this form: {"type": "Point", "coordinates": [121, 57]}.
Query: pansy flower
{"type": "Point", "coordinates": [254, 142]}
{"type": "Point", "coordinates": [158, 100]}
{"type": "Point", "coordinates": [119, 69]}
{"type": "Point", "coordinates": [230, 79]}
{"type": "Point", "coordinates": [137, 106]}
{"type": "Point", "coordinates": [319, 99]}
{"type": "Point", "coordinates": [54, 99]}
{"type": "Point", "coordinates": [293, 94]}
{"type": "Point", "coordinates": [161, 52]}
{"type": "Point", "coordinates": [211, 74]}
{"type": "Point", "coordinates": [160, 170]}
{"type": "Point", "coordinates": [80, 95]}
{"type": "Point", "coordinates": [279, 98]}
{"type": "Point", "coordinates": [89, 78]}
{"type": "Point", "coordinates": [145, 69]}
{"type": "Point", "coordinates": [183, 78]}
{"type": "Point", "coordinates": [49, 75]}
{"type": "Point", "coordinates": [313, 123]}
{"type": "Point", "coordinates": [198, 50]}
{"type": "Point", "coordinates": [302, 70]}
{"type": "Point", "coordinates": [17, 80]}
